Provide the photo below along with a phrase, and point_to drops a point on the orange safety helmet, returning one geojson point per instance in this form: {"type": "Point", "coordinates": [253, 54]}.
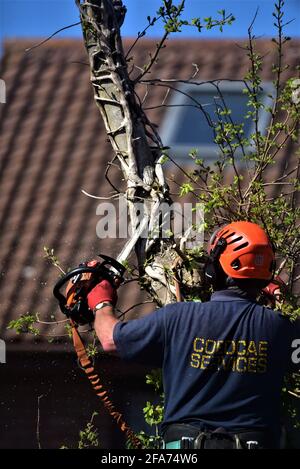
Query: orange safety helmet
{"type": "Point", "coordinates": [247, 252]}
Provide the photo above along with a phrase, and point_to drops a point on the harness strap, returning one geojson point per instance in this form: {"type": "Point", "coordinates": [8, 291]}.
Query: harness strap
{"type": "Point", "coordinates": [101, 392]}
{"type": "Point", "coordinates": [185, 436]}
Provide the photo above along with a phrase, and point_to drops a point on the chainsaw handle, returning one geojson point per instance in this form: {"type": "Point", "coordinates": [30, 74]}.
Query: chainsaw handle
{"type": "Point", "coordinates": [61, 282]}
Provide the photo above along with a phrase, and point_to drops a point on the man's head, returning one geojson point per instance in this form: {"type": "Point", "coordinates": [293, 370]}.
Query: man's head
{"type": "Point", "coordinates": [240, 254]}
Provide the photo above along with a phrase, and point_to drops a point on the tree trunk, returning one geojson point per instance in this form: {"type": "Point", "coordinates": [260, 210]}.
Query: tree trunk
{"type": "Point", "coordinates": [129, 132]}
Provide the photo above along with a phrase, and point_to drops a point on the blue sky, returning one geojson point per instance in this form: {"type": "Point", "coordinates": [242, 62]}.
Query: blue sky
{"type": "Point", "coordinates": [40, 18]}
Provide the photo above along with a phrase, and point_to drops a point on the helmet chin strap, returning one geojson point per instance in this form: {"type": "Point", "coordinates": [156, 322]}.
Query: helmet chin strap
{"type": "Point", "coordinates": [214, 273]}
{"type": "Point", "coordinates": [218, 249]}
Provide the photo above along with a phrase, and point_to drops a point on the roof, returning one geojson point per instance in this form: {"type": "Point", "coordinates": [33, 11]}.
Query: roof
{"type": "Point", "coordinates": [53, 145]}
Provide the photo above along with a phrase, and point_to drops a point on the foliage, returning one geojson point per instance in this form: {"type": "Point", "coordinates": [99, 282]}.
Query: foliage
{"type": "Point", "coordinates": [25, 324]}
{"type": "Point", "coordinates": [154, 378]}
{"type": "Point", "coordinates": [173, 21]}
{"type": "Point", "coordinates": [92, 350]}
{"type": "Point", "coordinates": [88, 437]}
{"type": "Point", "coordinates": [68, 329]}
{"type": "Point", "coordinates": [52, 259]}
{"type": "Point", "coordinates": [153, 412]}
{"type": "Point", "coordinates": [250, 194]}
{"type": "Point", "coordinates": [290, 394]}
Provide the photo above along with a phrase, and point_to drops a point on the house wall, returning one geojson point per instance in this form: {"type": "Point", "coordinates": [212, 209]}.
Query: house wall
{"type": "Point", "coordinates": [68, 400]}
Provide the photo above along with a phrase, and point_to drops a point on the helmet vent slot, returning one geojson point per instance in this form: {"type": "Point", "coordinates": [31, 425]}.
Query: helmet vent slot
{"type": "Point", "coordinates": [241, 246]}
{"type": "Point", "coordinates": [222, 233]}
{"type": "Point", "coordinates": [236, 265]}
{"type": "Point", "coordinates": [235, 240]}
{"type": "Point", "coordinates": [229, 235]}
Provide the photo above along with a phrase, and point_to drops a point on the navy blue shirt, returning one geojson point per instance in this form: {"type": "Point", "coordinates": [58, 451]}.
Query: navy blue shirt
{"type": "Point", "coordinates": [223, 361]}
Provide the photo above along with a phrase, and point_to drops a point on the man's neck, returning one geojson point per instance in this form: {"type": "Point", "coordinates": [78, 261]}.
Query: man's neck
{"type": "Point", "coordinates": [251, 293]}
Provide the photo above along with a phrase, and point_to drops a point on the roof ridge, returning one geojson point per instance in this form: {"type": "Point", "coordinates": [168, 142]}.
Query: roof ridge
{"type": "Point", "coordinates": [11, 43]}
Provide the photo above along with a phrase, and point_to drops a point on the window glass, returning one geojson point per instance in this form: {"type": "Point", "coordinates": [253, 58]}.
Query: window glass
{"type": "Point", "coordinates": [185, 126]}
{"type": "Point", "coordinates": [192, 127]}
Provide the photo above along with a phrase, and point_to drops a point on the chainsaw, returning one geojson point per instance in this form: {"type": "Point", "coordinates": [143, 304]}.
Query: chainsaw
{"type": "Point", "coordinates": [80, 281]}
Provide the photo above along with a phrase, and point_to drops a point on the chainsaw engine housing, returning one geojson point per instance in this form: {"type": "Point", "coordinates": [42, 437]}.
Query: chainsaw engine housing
{"type": "Point", "coordinates": [80, 281]}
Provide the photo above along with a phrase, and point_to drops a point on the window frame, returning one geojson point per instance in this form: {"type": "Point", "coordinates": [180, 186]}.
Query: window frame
{"type": "Point", "coordinates": [209, 152]}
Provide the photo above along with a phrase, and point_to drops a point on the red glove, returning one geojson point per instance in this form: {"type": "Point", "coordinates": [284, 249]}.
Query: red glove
{"type": "Point", "coordinates": [103, 292]}
{"type": "Point", "coordinates": [274, 291]}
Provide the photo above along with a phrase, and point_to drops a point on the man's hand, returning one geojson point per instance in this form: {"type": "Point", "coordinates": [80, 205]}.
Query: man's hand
{"type": "Point", "coordinates": [274, 292]}
{"type": "Point", "coordinates": [103, 292]}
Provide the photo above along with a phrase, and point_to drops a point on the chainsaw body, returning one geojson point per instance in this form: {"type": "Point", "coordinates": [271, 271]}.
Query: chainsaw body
{"type": "Point", "coordinates": [80, 281]}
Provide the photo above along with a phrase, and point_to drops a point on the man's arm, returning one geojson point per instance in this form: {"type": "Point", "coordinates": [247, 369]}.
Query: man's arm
{"type": "Point", "coordinates": [104, 324]}
{"type": "Point", "coordinates": [101, 301]}
{"type": "Point", "coordinates": [141, 340]}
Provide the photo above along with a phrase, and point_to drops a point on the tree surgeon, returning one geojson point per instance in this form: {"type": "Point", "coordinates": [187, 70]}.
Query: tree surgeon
{"type": "Point", "coordinates": [224, 360]}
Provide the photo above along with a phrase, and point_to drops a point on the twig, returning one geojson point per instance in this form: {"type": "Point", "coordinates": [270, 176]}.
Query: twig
{"type": "Point", "coordinates": [80, 63]}
{"type": "Point", "coordinates": [296, 278]}
{"type": "Point", "coordinates": [50, 37]}
{"type": "Point", "coordinates": [134, 306]}
{"type": "Point", "coordinates": [153, 59]}
{"type": "Point", "coordinates": [294, 394]}
{"type": "Point", "coordinates": [60, 269]}
{"type": "Point", "coordinates": [38, 423]}
{"type": "Point", "coordinates": [292, 204]}
{"type": "Point", "coordinates": [166, 96]}
{"type": "Point", "coordinates": [189, 81]}
{"type": "Point", "coordinates": [254, 85]}
{"type": "Point", "coordinates": [50, 322]}
{"type": "Point", "coordinates": [98, 197]}
{"type": "Point", "coordinates": [157, 106]}
{"type": "Point", "coordinates": [109, 165]}
{"type": "Point", "coordinates": [197, 103]}
{"type": "Point", "coordinates": [141, 34]}
{"type": "Point", "coordinates": [282, 177]}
